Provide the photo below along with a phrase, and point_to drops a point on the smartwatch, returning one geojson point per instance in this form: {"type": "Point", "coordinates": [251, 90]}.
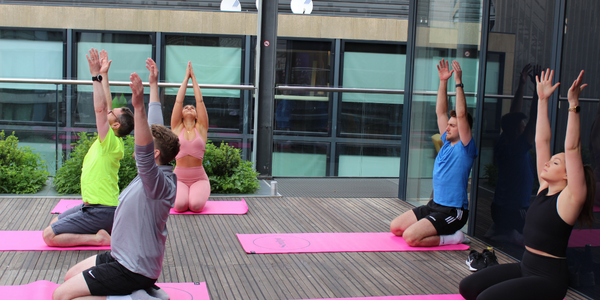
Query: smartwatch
{"type": "Point", "coordinates": [575, 109]}
{"type": "Point", "coordinates": [460, 85]}
{"type": "Point", "coordinates": [97, 78]}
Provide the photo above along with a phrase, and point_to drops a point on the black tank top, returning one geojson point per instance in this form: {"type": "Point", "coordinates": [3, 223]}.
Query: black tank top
{"type": "Point", "coordinates": [544, 229]}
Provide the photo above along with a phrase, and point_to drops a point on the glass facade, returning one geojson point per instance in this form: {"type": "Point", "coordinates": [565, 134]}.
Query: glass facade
{"type": "Point", "coordinates": [524, 38]}
{"type": "Point", "coordinates": [442, 32]}
{"type": "Point", "coordinates": [350, 134]}
{"type": "Point", "coordinates": [329, 133]}
{"type": "Point", "coordinates": [518, 45]}
{"type": "Point", "coordinates": [34, 111]}
{"type": "Point", "coordinates": [581, 53]}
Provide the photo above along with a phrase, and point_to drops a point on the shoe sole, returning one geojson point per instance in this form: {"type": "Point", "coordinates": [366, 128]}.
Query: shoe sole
{"type": "Point", "coordinates": [470, 268]}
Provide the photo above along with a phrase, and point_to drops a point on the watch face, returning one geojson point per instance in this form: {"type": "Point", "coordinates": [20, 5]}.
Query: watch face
{"type": "Point", "coordinates": [99, 77]}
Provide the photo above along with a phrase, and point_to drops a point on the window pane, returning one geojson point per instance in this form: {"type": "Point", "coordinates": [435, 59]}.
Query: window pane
{"type": "Point", "coordinates": [212, 65]}
{"type": "Point", "coordinates": [302, 63]}
{"type": "Point", "coordinates": [216, 60]}
{"type": "Point", "coordinates": [128, 53]}
{"type": "Point", "coordinates": [31, 60]}
{"type": "Point", "coordinates": [520, 36]}
{"type": "Point", "coordinates": [31, 54]}
{"type": "Point", "coordinates": [444, 31]}
{"type": "Point", "coordinates": [368, 161]}
{"type": "Point", "coordinates": [300, 159]}
{"type": "Point", "coordinates": [375, 67]}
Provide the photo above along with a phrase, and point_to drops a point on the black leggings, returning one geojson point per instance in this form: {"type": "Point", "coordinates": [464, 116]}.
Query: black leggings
{"type": "Point", "coordinates": [535, 277]}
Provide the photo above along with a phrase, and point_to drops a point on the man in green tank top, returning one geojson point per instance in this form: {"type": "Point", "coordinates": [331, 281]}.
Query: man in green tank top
{"type": "Point", "coordinates": [91, 223]}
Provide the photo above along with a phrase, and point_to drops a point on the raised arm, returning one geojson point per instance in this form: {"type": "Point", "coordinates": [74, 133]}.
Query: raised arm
{"type": "Point", "coordinates": [464, 130]}
{"type": "Point", "coordinates": [441, 107]}
{"type": "Point", "coordinates": [202, 124]}
{"type": "Point", "coordinates": [543, 132]}
{"type": "Point", "coordinates": [529, 131]}
{"type": "Point", "coordinates": [576, 186]}
{"type": "Point", "coordinates": [143, 136]}
{"type": "Point", "coordinates": [104, 67]}
{"type": "Point", "coordinates": [156, 185]}
{"type": "Point", "coordinates": [177, 115]}
{"type": "Point", "coordinates": [516, 105]}
{"type": "Point", "coordinates": [100, 105]}
{"type": "Point", "coordinates": [155, 115]}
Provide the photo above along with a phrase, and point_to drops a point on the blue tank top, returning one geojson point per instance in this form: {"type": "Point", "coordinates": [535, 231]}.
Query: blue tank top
{"type": "Point", "coordinates": [451, 173]}
{"type": "Point", "coordinates": [544, 229]}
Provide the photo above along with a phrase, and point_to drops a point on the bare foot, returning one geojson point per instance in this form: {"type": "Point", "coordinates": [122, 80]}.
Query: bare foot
{"type": "Point", "coordinates": [103, 238]}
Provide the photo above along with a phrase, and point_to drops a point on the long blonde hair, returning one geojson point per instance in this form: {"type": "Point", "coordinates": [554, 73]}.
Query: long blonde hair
{"type": "Point", "coordinates": [586, 217]}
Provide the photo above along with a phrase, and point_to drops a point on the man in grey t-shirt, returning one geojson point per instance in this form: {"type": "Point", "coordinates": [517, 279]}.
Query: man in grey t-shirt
{"type": "Point", "coordinates": [139, 231]}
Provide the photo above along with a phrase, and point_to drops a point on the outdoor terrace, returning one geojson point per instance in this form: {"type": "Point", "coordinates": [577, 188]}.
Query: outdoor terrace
{"type": "Point", "coordinates": [205, 248]}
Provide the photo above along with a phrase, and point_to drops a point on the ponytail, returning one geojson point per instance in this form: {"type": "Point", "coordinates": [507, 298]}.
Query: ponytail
{"type": "Point", "coordinates": [587, 213]}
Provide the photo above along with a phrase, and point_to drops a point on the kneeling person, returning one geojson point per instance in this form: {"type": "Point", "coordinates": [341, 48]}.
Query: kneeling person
{"type": "Point", "coordinates": [139, 232]}
{"type": "Point", "coordinates": [92, 222]}
{"type": "Point", "coordinates": [439, 222]}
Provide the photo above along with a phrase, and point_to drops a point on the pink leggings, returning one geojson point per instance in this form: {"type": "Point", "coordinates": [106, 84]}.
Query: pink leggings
{"type": "Point", "coordinates": [193, 189]}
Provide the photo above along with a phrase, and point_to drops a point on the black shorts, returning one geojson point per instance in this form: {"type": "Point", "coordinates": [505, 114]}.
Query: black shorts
{"type": "Point", "coordinates": [109, 277]}
{"type": "Point", "coordinates": [446, 220]}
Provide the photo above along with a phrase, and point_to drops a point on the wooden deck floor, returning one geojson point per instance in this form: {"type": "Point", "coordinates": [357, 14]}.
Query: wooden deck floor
{"type": "Point", "coordinates": [205, 248]}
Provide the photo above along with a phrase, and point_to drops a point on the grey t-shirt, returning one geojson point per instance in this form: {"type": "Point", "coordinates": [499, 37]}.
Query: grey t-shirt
{"type": "Point", "coordinates": [140, 228]}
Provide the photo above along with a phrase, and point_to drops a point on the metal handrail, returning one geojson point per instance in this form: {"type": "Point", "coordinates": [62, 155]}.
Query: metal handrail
{"type": "Point", "coordinates": [125, 83]}
{"type": "Point", "coordinates": [281, 87]}
{"type": "Point", "coordinates": [337, 89]}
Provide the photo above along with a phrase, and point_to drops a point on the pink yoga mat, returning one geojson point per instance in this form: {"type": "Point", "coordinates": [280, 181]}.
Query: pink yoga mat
{"type": "Point", "coordinates": [331, 242]}
{"type": "Point", "coordinates": [33, 241]}
{"type": "Point", "coordinates": [405, 297]}
{"type": "Point", "coordinates": [42, 290]}
{"type": "Point", "coordinates": [211, 208]}
{"type": "Point", "coordinates": [582, 237]}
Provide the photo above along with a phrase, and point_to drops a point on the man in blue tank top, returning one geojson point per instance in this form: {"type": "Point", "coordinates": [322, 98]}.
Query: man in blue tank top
{"type": "Point", "coordinates": [439, 222]}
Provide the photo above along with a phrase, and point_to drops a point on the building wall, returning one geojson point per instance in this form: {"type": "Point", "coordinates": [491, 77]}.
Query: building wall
{"type": "Point", "coordinates": [206, 22]}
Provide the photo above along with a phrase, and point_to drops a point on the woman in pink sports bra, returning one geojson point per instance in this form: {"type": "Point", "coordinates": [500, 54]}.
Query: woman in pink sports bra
{"type": "Point", "coordinates": [191, 125]}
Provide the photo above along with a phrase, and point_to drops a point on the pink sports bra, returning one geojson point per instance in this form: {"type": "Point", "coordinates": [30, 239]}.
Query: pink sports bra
{"type": "Point", "coordinates": [194, 148]}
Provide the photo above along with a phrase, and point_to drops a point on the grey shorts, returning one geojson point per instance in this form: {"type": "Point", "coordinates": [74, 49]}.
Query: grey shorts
{"type": "Point", "coordinates": [85, 219]}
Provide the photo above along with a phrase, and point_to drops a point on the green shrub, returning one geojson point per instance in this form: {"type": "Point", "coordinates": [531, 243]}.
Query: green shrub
{"type": "Point", "coordinates": [228, 173]}
{"type": "Point", "coordinates": [21, 170]}
{"type": "Point", "coordinates": [68, 177]}
{"type": "Point", "coordinates": [128, 169]}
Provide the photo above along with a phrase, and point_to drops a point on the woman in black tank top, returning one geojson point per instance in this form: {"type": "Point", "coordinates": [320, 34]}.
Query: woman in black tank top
{"type": "Point", "coordinates": [566, 195]}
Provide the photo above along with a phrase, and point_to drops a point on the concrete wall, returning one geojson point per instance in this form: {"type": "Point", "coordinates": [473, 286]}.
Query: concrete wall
{"type": "Point", "coordinates": [204, 22]}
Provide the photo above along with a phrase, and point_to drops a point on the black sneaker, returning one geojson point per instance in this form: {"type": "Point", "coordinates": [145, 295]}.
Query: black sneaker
{"type": "Point", "coordinates": [475, 261]}
{"type": "Point", "coordinates": [490, 257]}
